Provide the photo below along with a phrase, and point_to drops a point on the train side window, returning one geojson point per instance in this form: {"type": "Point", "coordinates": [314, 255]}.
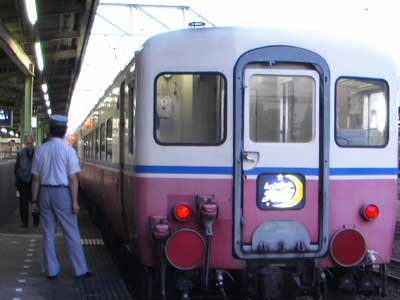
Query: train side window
{"type": "Point", "coordinates": [130, 116]}
{"type": "Point", "coordinates": [91, 147]}
{"type": "Point", "coordinates": [362, 107]}
{"type": "Point", "coordinates": [88, 146]}
{"type": "Point", "coordinates": [96, 144]}
{"type": "Point", "coordinates": [190, 109]}
{"type": "Point", "coordinates": [109, 139]}
{"type": "Point", "coordinates": [282, 108]}
{"type": "Point", "coordinates": [84, 147]}
{"type": "Point", "coordinates": [102, 142]}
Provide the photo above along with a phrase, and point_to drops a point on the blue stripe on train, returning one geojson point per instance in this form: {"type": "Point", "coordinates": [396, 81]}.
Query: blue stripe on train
{"type": "Point", "coordinates": [362, 171]}
{"type": "Point", "coordinates": [256, 171]}
{"type": "Point", "coordinates": [184, 170]}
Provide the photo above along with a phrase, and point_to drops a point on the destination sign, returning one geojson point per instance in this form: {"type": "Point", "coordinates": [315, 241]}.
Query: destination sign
{"type": "Point", "coordinates": [6, 117]}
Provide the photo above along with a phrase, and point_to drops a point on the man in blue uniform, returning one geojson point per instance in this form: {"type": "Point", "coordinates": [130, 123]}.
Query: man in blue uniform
{"type": "Point", "coordinates": [55, 167]}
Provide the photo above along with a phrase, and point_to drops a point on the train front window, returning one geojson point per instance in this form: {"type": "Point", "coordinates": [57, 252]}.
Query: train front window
{"type": "Point", "coordinates": [361, 112]}
{"type": "Point", "coordinates": [281, 109]}
{"type": "Point", "coordinates": [190, 109]}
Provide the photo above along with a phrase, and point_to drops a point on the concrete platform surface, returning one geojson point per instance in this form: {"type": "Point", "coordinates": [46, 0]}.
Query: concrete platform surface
{"type": "Point", "coordinates": [22, 274]}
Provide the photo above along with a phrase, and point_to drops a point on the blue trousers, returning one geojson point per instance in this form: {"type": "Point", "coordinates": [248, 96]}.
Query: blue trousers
{"type": "Point", "coordinates": [55, 203]}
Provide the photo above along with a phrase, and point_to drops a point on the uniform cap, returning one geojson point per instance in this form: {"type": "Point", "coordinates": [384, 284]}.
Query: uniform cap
{"type": "Point", "coordinates": [58, 120]}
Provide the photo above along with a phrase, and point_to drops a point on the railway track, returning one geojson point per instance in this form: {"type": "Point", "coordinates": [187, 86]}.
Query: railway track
{"type": "Point", "coordinates": [397, 231]}
{"type": "Point", "coordinates": [394, 269]}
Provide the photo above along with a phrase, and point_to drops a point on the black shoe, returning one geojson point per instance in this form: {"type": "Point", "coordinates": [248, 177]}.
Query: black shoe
{"type": "Point", "coordinates": [52, 277]}
{"type": "Point", "coordinates": [85, 275]}
{"type": "Point", "coordinates": [24, 226]}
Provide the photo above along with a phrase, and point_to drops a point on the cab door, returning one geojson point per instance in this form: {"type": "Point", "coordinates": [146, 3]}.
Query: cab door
{"type": "Point", "coordinates": [281, 207]}
{"type": "Point", "coordinates": [280, 159]}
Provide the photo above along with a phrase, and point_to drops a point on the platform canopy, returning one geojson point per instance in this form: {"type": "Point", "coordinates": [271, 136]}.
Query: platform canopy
{"type": "Point", "coordinates": [61, 30]}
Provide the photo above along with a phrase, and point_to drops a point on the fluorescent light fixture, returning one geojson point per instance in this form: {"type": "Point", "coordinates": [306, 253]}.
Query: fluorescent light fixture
{"type": "Point", "coordinates": [31, 11]}
{"type": "Point", "coordinates": [39, 56]}
{"type": "Point", "coordinates": [46, 97]}
{"type": "Point", "coordinates": [47, 103]}
{"type": "Point", "coordinates": [49, 111]}
{"type": "Point", "coordinates": [44, 88]}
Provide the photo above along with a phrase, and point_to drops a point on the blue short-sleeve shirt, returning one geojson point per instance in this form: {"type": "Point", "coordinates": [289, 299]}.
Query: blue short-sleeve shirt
{"type": "Point", "coordinates": [54, 161]}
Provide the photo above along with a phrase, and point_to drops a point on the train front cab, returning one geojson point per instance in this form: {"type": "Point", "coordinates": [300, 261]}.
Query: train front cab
{"type": "Point", "coordinates": [312, 187]}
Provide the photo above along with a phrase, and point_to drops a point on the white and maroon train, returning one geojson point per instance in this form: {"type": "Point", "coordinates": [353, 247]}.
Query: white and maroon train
{"type": "Point", "coordinates": [264, 155]}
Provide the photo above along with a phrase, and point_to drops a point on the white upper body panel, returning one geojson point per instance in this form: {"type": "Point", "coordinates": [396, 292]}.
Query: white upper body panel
{"type": "Point", "coordinates": [217, 50]}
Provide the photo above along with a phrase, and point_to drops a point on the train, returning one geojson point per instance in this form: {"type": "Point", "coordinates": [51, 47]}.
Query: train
{"type": "Point", "coordinates": [248, 163]}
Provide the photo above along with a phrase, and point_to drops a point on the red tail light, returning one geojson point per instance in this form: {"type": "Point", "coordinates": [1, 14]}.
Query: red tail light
{"type": "Point", "coordinates": [370, 212]}
{"type": "Point", "coordinates": [182, 212]}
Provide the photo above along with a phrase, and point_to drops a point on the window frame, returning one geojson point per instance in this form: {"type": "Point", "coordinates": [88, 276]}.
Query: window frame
{"type": "Point", "coordinates": [96, 144]}
{"type": "Point", "coordinates": [102, 135]}
{"type": "Point", "coordinates": [109, 143]}
{"type": "Point", "coordinates": [224, 112]}
{"type": "Point", "coordinates": [387, 135]}
{"type": "Point", "coordinates": [131, 104]}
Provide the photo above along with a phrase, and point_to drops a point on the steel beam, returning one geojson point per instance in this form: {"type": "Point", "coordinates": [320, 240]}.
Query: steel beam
{"type": "Point", "coordinates": [144, 5]}
{"type": "Point", "coordinates": [15, 52]}
{"type": "Point", "coordinates": [60, 54]}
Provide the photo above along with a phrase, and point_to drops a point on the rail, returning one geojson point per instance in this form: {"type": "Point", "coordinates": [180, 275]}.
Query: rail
{"type": "Point", "coordinates": [394, 269]}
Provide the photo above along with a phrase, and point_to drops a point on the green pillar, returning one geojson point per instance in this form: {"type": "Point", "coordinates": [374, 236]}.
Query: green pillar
{"type": "Point", "coordinates": [28, 105]}
{"type": "Point", "coordinates": [22, 125]}
{"type": "Point", "coordinates": [39, 133]}
{"type": "Point", "coordinates": [26, 127]}
{"type": "Point", "coordinates": [45, 128]}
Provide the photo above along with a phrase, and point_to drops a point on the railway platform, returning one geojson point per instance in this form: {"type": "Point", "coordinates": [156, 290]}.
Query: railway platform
{"type": "Point", "coordinates": [22, 274]}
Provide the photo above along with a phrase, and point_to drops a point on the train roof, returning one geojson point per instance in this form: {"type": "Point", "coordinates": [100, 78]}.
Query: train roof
{"type": "Point", "coordinates": [204, 48]}
{"type": "Point", "coordinates": [340, 51]}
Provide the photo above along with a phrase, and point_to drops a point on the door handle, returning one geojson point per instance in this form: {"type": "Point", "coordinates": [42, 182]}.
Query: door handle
{"type": "Point", "coordinates": [250, 156]}
{"type": "Point", "coordinates": [246, 156]}
{"type": "Point", "coordinates": [250, 160]}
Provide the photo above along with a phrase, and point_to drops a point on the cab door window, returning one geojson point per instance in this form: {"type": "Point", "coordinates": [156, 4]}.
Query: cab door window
{"type": "Point", "coordinates": [281, 108]}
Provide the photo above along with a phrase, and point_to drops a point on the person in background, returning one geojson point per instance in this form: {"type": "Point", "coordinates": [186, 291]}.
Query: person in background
{"type": "Point", "coordinates": [55, 167]}
{"type": "Point", "coordinates": [23, 181]}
